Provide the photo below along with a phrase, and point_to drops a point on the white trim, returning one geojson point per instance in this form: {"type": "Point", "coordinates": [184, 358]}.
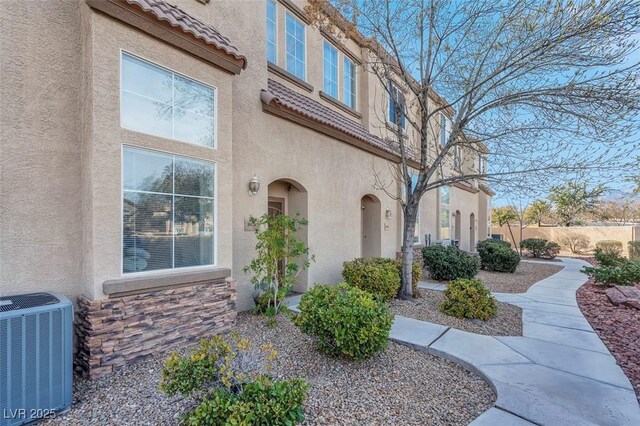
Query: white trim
{"type": "Point", "coordinates": [174, 72]}
{"type": "Point", "coordinates": [214, 199]}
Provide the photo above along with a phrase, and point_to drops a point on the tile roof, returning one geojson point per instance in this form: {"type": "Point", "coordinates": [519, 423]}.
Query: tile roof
{"type": "Point", "coordinates": [178, 18]}
{"type": "Point", "coordinates": [285, 97]}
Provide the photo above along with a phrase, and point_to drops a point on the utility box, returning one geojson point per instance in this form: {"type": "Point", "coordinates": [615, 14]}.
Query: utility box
{"type": "Point", "coordinates": [36, 350]}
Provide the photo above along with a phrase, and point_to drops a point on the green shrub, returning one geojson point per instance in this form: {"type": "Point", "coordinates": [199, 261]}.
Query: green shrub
{"type": "Point", "coordinates": [634, 250]}
{"type": "Point", "coordinates": [540, 248]}
{"type": "Point", "coordinates": [468, 299]}
{"type": "Point", "coordinates": [627, 272]}
{"type": "Point", "coordinates": [376, 275]}
{"type": "Point", "coordinates": [226, 378]}
{"type": "Point", "coordinates": [608, 257]}
{"type": "Point", "coordinates": [264, 401]}
{"type": "Point", "coordinates": [449, 263]}
{"type": "Point", "coordinates": [345, 320]}
{"type": "Point", "coordinates": [610, 247]}
{"type": "Point", "coordinates": [495, 256]}
{"type": "Point", "coordinates": [379, 276]}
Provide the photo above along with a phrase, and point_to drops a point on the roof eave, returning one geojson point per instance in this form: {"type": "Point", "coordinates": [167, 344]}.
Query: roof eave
{"type": "Point", "coordinates": [144, 21]}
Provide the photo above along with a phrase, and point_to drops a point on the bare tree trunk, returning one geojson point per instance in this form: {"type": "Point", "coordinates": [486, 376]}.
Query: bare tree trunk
{"type": "Point", "coordinates": [511, 232]}
{"type": "Point", "coordinates": [520, 244]}
{"type": "Point", "coordinates": [406, 287]}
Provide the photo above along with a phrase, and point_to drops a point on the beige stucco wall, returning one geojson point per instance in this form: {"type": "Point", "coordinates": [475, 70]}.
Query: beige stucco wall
{"type": "Point", "coordinates": [40, 206]}
{"type": "Point", "coordinates": [624, 234]}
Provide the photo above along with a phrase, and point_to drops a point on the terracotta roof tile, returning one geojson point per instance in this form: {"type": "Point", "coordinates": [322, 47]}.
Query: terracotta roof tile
{"type": "Point", "coordinates": [290, 99]}
{"type": "Point", "coordinates": [178, 18]}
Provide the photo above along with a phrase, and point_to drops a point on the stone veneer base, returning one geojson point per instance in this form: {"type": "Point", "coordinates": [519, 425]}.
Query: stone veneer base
{"type": "Point", "coordinates": [123, 330]}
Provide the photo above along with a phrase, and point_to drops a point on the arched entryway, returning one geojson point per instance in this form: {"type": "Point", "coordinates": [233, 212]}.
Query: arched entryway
{"type": "Point", "coordinates": [472, 232]}
{"type": "Point", "coordinates": [287, 196]}
{"type": "Point", "coordinates": [371, 222]}
{"type": "Point", "coordinates": [457, 226]}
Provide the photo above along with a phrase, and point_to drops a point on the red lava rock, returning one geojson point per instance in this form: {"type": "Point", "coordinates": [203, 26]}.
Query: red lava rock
{"type": "Point", "coordinates": [618, 326]}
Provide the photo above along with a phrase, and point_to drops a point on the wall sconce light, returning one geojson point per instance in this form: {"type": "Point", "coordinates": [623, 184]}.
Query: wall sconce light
{"type": "Point", "coordinates": [387, 213]}
{"type": "Point", "coordinates": [254, 186]}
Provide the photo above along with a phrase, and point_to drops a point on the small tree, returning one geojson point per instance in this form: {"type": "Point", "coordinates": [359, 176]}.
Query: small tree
{"type": "Point", "coordinates": [280, 257]}
{"type": "Point", "coordinates": [539, 211]}
{"type": "Point", "coordinates": [574, 199]}
{"type": "Point", "coordinates": [505, 216]}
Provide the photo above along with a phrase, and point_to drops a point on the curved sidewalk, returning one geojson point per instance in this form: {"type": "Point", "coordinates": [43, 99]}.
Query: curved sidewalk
{"type": "Point", "coordinates": [558, 373]}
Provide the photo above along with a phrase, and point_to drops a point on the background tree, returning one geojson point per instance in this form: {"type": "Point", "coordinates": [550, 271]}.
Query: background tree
{"type": "Point", "coordinates": [574, 199]}
{"type": "Point", "coordinates": [618, 212]}
{"type": "Point", "coordinates": [539, 211]}
{"type": "Point", "coordinates": [546, 86]}
{"type": "Point", "coordinates": [505, 216]}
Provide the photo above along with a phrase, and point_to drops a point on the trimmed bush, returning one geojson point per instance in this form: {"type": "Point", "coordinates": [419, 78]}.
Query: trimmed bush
{"type": "Point", "coordinates": [627, 272]}
{"type": "Point", "coordinates": [265, 401]}
{"type": "Point", "coordinates": [608, 258]}
{"type": "Point", "coordinates": [345, 320]}
{"type": "Point", "coordinates": [610, 247]}
{"type": "Point", "coordinates": [449, 263]}
{"type": "Point", "coordinates": [468, 299]}
{"type": "Point", "coordinates": [226, 378]}
{"type": "Point", "coordinates": [634, 250]}
{"type": "Point", "coordinates": [379, 276]}
{"type": "Point", "coordinates": [540, 248]}
{"type": "Point", "coordinates": [496, 256]}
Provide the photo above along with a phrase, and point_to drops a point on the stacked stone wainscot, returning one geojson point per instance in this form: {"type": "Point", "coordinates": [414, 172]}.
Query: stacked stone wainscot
{"type": "Point", "coordinates": [131, 326]}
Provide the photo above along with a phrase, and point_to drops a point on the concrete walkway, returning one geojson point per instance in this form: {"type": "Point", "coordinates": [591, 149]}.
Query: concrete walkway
{"type": "Point", "coordinates": [557, 373]}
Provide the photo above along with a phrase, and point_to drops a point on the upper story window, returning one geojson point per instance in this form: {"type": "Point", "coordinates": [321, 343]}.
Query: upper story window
{"type": "Point", "coordinates": [349, 83]}
{"type": "Point", "coordinates": [457, 158]}
{"type": "Point", "coordinates": [445, 129]}
{"type": "Point", "coordinates": [167, 211]}
{"type": "Point", "coordinates": [296, 45]}
{"type": "Point", "coordinates": [482, 164]}
{"type": "Point", "coordinates": [159, 102]}
{"type": "Point", "coordinates": [330, 55]}
{"type": "Point", "coordinates": [272, 31]}
{"type": "Point", "coordinates": [397, 106]}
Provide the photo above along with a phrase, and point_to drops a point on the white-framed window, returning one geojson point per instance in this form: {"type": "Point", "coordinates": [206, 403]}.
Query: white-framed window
{"type": "Point", "coordinates": [295, 46]}
{"type": "Point", "coordinates": [445, 129]}
{"type": "Point", "coordinates": [397, 106]}
{"type": "Point", "coordinates": [482, 164]}
{"type": "Point", "coordinates": [160, 102]}
{"type": "Point", "coordinates": [330, 70]}
{"type": "Point", "coordinates": [272, 31]}
{"type": "Point", "coordinates": [349, 83]}
{"type": "Point", "coordinates": [168, 211]}
{"type": "Point", "coordinates": [457, 158]}
{"type": "Point", "coordinates": [445, 213]}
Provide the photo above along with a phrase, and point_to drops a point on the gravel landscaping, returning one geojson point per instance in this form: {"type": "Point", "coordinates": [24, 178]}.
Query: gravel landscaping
{"type": "Point", "coordinates": [508, 321]}
{"type": "Point", "coordinates": [397, 386]}
{"type": "Point", "coordinates": [525, 276]}
{"type": "Point", "coordinates": [617, 326]}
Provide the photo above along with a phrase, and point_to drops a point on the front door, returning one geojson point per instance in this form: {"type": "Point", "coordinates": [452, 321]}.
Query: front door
{"type": "Point", "coordinates": [275, 208]}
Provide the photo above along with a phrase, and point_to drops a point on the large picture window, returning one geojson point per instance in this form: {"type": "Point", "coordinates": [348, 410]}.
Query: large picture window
{"type": "Point", "coordinates": [159, 102]}
{"type": "Point", "coordinates": [296, 45]}
{"type": "Point", "coordinates": [330, 71]}
{"type": "Point", "coordinates": [445, 213]}
{"type": "Point", "coordinates": [272, 32]}
{"type": "Point", "coordinates": [168, 211]}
